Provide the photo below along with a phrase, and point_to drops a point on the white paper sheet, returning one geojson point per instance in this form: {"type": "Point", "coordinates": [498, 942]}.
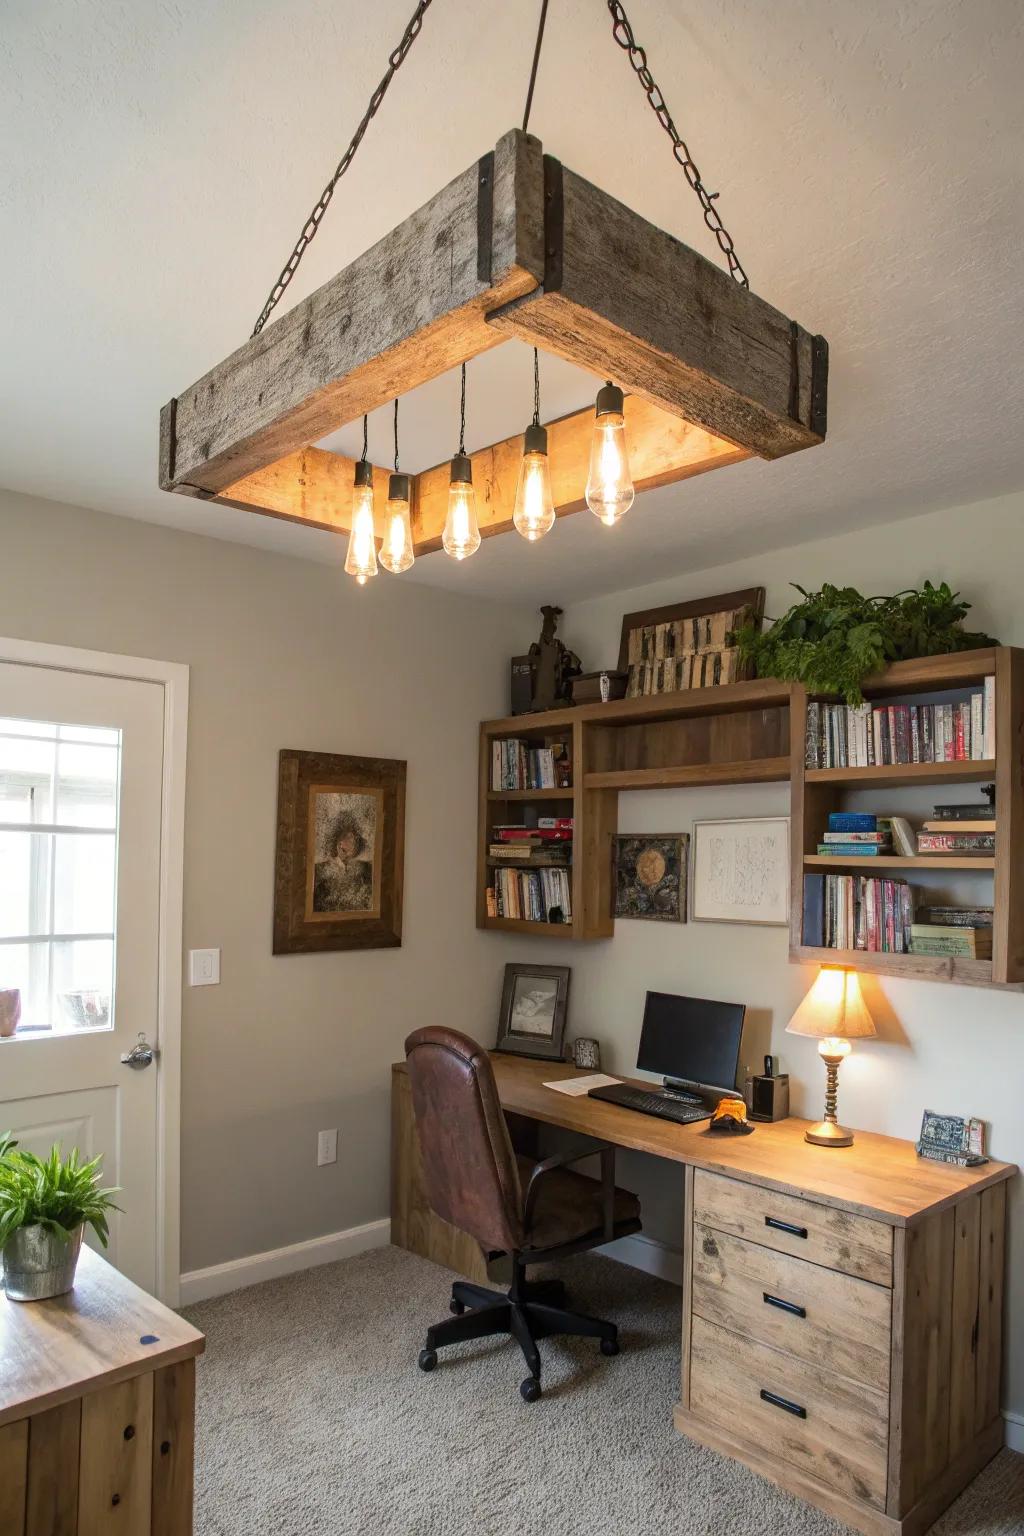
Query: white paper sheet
{"type": "Point", "coordinates": [576, 1087]}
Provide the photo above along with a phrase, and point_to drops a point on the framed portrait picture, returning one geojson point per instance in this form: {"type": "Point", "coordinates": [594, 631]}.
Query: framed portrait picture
{"type": "Point", "coordinates": [340, 851]}
{"type": "Point", "coordinates": [650, 876]}
{"type": "Point", "coordinates": [534, 1001]}
{"type": "Point", "coordinates": [741, 871]}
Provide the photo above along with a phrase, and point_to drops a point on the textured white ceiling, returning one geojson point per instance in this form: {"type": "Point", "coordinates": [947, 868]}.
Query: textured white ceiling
{"type": "Point", "coordinates": [159, 157]}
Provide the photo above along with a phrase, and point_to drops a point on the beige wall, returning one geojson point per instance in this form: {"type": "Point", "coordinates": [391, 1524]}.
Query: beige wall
{"type": "Point", "coordinates": [286, 653]}
{"type": "Point", "coordinates": [941, 1047]}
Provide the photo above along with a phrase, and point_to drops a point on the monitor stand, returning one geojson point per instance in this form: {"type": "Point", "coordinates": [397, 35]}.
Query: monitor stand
{"type": "Point", "coordinates": [682, 1092]}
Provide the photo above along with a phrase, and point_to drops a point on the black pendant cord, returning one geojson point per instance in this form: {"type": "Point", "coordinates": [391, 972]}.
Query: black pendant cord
{"type": "Point", "coordinates": [312, 224]}
{"type": "Point", "coordinates": [536, 388]}
{"type": "Point", "coordinates": [623, 35]}
{"type": "Point", "coordinates": [536, 61]}
{"type": "Point", "coordinates": [364, 439]}
{"type": "Point", "coordinates": [396, 435]}
{"type": "Point", "coordinates": [462, 415]}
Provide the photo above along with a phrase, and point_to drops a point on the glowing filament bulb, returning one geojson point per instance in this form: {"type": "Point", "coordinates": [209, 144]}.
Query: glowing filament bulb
{"type": "Point", "coordinates": [361, 560]}
{"type": "Point", "coordinates": [609, 486]}
{"type": "Point", "coordinates": [534, 513]}
{"type": "Point", "coordinates": [461, 536]}
{"type": "Point", "coordinates": [396, 551]}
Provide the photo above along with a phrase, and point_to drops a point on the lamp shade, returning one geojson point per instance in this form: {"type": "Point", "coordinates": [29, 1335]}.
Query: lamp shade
{"type": "Point", "coordinates": [833, 1008]}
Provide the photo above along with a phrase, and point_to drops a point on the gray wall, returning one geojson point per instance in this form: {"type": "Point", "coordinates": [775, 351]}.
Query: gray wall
{"type": "Point", "coordinates": [286, 653]}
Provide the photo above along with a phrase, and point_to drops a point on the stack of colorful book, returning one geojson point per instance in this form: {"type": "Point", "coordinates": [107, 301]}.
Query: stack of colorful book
{"type": "Point", "coordinates": [868, 736]}
{"type": "Point", "coordinates": [855, 835]}
{"type": "Point", "coordinates": [857, 912]}
{"type": "Point", "coordinates": [959, 829]}
{"type": "Point", "coordinates": [532, 878]}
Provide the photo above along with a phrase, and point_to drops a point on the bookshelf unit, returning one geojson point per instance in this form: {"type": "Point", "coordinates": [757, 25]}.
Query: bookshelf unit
{"type": "Point", "coordinates": [754, 732]}
{"type": "Point", "coordinates": [998, 879]}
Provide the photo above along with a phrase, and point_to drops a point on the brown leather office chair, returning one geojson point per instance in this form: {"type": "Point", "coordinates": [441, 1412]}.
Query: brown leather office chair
{"type": "Point", "coordinates": [531, 1211]}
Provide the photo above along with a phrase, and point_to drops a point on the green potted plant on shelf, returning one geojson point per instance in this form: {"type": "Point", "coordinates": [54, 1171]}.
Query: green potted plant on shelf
{"type": "Point", "coordinates": [45, 1206]}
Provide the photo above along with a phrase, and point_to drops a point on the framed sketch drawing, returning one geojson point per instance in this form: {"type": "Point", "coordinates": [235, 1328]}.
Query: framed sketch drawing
{"type": "Point", "coordinates": [741, 871]}
{"type": "Point", "coordinates": [340, 850]}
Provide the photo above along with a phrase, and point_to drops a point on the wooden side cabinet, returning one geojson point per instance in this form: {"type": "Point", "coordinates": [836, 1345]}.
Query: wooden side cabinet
{"type": "Point", "coordinates": [853, 1362]}
{"type": "Point", "coordinates": [97, 1412]}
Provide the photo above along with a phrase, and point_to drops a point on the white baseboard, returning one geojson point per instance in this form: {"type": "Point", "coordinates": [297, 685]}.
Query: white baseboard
{"type": "Point", "coordinates": [648, 1254]}
{"type": "Point", "coordinates": [219, 1279]}
{"type": "Point", "coordinates": [1014, 1430]}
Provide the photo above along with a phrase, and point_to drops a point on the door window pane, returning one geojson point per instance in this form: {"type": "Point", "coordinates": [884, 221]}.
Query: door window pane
{"type": "Point", "coordinates": [59, 793]}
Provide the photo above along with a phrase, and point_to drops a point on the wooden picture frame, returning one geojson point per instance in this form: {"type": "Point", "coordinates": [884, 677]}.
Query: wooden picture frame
{"type": "Point", "coordinates": [737, 882]}
{"type": "Point", "coordinates": [649, 876]}
{"type": "Point", "coordinates": [533, 1017]}
{"type": "Point", "coordinates": [338, 873]}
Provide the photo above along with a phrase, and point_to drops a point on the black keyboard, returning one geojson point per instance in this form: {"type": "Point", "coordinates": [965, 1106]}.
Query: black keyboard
{"type": "Point", "coordinates": [652, 1102]}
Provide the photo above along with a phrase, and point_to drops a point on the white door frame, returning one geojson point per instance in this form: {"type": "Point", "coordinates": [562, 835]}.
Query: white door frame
{"type": "Point", "coordinates": [173, 677]}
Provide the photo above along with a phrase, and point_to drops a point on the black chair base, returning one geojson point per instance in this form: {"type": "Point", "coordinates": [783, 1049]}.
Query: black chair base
{"type": "Point", "coordinates": [532, 1310]}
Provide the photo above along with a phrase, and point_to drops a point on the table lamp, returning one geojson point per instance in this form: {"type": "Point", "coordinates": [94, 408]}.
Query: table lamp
{"type": "Point", "coordinates": [833, 1013]}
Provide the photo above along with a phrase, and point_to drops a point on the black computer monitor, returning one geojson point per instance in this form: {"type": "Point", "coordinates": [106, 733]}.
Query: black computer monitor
{"type": "Point", "coordinates": [691, 1040]}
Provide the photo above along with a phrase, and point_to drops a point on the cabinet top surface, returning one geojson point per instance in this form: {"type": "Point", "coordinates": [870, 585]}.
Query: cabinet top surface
{"type": "Point", "coordinates": [54, 1351]}
{"type": "Point", "coordinates": [879, 1176]}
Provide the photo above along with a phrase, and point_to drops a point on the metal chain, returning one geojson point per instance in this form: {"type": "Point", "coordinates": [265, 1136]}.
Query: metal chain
{"type": "Point", "coordinates": [396, 434]}
{"type": "Point", "coordinates": [462, 414]}
{"type": "Point", "coordinates": [363, 455]}
{"type": "Point", "coordinates": [395, 59]}
{"type": "Point", "coordinates": [623, 34]}
{"type": "Point", "coordinates": [536, 388]}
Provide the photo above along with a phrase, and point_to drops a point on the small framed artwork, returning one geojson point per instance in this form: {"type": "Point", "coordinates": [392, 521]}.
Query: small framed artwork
{"type": "Point", "coordinates": [650, 876]}
{"type": "Point", "coordinates": [741, 871]}
{"type": "Point", "coordinates": [534, 1002]}
{"type": "Point", "coordinates": [340, 852]}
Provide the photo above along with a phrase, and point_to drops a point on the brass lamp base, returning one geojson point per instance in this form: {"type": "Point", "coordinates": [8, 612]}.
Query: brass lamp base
{"type": "Point", "coordinates": [828, 1134]}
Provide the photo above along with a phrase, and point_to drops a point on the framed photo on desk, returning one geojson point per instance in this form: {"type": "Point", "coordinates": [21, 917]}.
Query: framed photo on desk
{"type": "Point", "coordinates": [534, 1002]}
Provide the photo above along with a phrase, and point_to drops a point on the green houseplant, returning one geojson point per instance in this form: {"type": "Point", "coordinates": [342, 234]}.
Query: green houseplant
{"type": "Point", "coordinates": [836, 637]}
{"type": "Point", "coordinates": [45, 1206]}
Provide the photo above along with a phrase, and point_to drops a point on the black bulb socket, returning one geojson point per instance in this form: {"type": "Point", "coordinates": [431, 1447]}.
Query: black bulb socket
{"type": "Point", "coordinates": [610, 400]}
{"type": "Point", "coordinates": [398, 487]}
{"type": "Point", "coordinates": [535, 439]}
{"type": "Point", "coordinates": [364, 473]}
{"type": "Point", "coordinates": [462, 470]}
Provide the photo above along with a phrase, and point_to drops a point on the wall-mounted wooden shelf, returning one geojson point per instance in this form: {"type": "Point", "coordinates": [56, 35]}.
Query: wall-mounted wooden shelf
{"type": "Point", "coordinates": [751, 733]}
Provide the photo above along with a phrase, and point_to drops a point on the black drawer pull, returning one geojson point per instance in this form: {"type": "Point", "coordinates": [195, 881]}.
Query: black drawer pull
{"type": "Point", "coordinates": [784, 1306]}
{"type": "Point", "coordinates": [785, 1226]}
{"type": "Point", "coordinates": [783, 1403]}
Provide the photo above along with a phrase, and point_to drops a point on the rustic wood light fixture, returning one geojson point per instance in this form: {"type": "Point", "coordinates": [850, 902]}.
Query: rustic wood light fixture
{"type": "Point", "coordinates": [518, 246]}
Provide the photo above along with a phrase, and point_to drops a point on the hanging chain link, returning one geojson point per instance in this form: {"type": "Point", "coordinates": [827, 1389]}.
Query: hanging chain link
{"type": "Point", "coordinates": [395, 60]}
{"type": "Point", "coordinates": [623, 34]}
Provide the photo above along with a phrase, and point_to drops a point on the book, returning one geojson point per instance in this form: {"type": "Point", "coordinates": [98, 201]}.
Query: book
{"type": "Point", "coordinates": [853, 912]}
{"type": "Point", "coordinates": [852, 821]}
{"type": "Point", "coordinates": [855, 837]}
{"type": "Point", "coordinates": [863, 736]}
{"type": "Point", "coordinates": [956, 842]}
{"type": "Point", "coordinates": [952, 1139]}
{"type": "Point", "coordinates": [954, 824]}
{"type": "Point", "coordinates": [901, 834]}
{"type": "Point", "coordinates": [965, 917]}
{"type": "Point", "coordinates": [975, 811]}
{"type": "Point", "coordinates": [951, 939]}
{"type": "Point", "coordinates": [814, 911]}
{"type": "Point", "coordinates": [855, 850]}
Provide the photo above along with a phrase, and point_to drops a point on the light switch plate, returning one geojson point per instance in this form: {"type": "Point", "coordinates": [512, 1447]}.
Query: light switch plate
{"type": "Point", "coordinates": [326, 1148]}
{"type": "Point", "coordinates": [204, 967]}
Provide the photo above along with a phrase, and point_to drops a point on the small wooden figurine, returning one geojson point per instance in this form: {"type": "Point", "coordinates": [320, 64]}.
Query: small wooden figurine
{"type": "Point", "coordinates": [556, 665]}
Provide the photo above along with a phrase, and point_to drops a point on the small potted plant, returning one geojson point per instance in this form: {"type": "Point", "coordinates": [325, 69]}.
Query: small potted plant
{"type": "Point", "coordinates": [45, 1206]}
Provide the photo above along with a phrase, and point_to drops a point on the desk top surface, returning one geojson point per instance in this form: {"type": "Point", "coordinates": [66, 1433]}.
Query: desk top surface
{"type": "Point", "coordinates": [57, 1350]}
{"type": "Point", "coordinates": [879, 1176]}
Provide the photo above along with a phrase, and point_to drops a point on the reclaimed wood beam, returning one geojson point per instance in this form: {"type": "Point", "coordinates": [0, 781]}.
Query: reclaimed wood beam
{"type": "Point", "coordinates": [312, 486]}
{"type": "Point", "coordinates": [626, 300]}
{"type": "Point", "coordinates": [407, 310]}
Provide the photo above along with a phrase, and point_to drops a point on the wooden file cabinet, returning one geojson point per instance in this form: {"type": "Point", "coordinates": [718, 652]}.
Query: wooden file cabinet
{"type": "Point", "coordinates": [854, 1362]}
{"type": "Point", "coordinates": [97, 1408]}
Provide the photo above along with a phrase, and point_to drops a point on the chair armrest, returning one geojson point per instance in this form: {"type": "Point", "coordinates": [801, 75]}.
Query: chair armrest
{"type": "Point", "coordinates": [592, 1147]}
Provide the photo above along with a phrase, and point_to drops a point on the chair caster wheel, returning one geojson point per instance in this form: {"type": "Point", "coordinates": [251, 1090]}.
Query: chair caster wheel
{"type": "Point", "coordinates": [427, 1359]}
{"type": "Point", "coordinates": [530, 1389]}
{"type": "Point", "coordinates": [609, 1346]}
{"type": "Point", "coordinates": [457, 1307]}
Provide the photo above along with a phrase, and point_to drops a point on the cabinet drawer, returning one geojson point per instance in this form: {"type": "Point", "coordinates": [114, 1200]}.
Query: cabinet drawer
{"type": "Point", "coordinates": [834, 1429]}
{"type": "Point", "coordinates": [855, 1245]}
{"type": "Point", "coordinates": [837, 1323]}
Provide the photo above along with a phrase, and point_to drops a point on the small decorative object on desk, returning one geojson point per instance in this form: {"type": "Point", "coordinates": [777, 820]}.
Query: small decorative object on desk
{"type": "Point", "coordinates": [730, 1118]}
{"type": "Point", "coordinates": [534, 1001]}
{"type": "Point", "coordinates": [586, 1054]}
{"type": "Point", "coordinates": [10, 1012]}
{"type": "Point", "coordinates": [45, 1206]}
{"type": "Point", "coordinates": [767, 1097]}
{"type": "Point", "coordinates": [650, 876]}
{"type": "Point", "coordinates": [952, 1139]}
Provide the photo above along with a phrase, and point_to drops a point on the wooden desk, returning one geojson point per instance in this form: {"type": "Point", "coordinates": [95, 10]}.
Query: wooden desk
{"type": "Point", "coordinates": [882, 1371]}
{"type": "Point", "coordinates": [97, 1408]}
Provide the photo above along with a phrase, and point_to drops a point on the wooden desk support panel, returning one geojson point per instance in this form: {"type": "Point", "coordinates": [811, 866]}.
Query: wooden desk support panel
{"type": "Point", "coordinates": [96, 1425]}
{"type": "Point", "coordinates": [882, 1373]}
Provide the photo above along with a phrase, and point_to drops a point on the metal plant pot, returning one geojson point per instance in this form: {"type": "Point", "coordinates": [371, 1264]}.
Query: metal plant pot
{"type": "Point", "coordinates": [38, 1264]}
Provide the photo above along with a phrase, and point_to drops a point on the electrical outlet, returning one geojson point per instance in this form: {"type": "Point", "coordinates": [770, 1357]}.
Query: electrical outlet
{"type": "Point", "coordinates": [326, 1148]}
{"type": "Point", "coordinates": [204, 967]}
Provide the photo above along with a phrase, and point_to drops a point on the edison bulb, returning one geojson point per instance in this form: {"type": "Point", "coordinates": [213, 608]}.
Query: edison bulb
{"type": "Point", "coordinates": [534, 513]}
{"type": "Point", "coordinates": [610, 489]}
{"type": "Point", "coordinates": [461, 536]}
{"type": "Point", "coordinates": [361, 559]}
{"type": "Point", "coordinates": [396, 551]}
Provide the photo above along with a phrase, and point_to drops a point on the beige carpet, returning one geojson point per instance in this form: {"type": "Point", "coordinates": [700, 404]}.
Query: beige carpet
{"type": "Point", "coordinates": [313, 1418]}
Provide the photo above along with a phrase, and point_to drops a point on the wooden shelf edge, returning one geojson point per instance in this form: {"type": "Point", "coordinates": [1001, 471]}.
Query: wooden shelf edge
{"type": "Point", "coordinates": [897, 861]}
{"type": "Point", "coordinates": [530, 794]}
{"type": "Point", "coordinates": [524, 926]}
{"type": "Point", "coordinates": [974, 973]}
{"type": "Point", "coordinates": [891, 775]}
{"type": "Point", "coordinates": [756, 693]}
{"type": "Point", "coordinates": [760, 770]}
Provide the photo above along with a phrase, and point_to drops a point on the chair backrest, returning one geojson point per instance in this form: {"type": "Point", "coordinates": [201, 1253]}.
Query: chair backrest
{"type": "Point", "coordinates": [470, 1169]}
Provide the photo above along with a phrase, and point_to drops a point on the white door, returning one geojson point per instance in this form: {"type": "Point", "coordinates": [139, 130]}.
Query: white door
{"type": "Point", "coordinates": [81, 768]}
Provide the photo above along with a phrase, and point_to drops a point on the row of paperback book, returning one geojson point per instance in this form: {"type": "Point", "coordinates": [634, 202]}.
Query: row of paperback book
{"type": "Point", "coordinates": [863, 912]}
{"type": "Point", "coordinates": [517, 764]}
{"type": "Point", "coordinates": [875, 735]}
{"type": "Point", "coordinates": [859, 835]}
{"type": "Point", "coordinates": [533, 895]}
